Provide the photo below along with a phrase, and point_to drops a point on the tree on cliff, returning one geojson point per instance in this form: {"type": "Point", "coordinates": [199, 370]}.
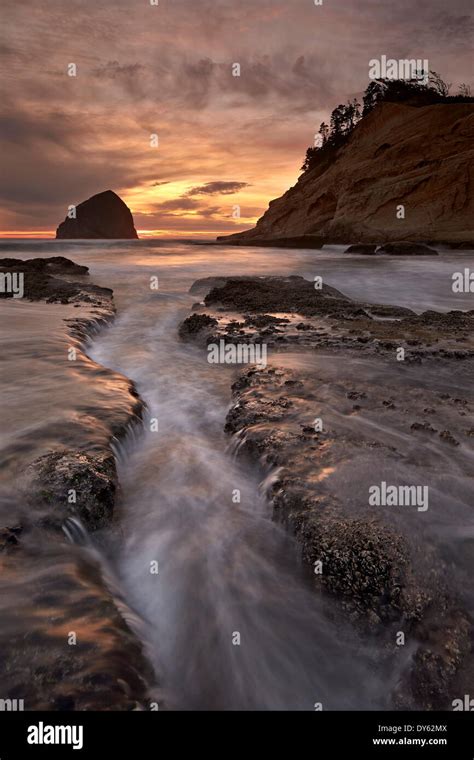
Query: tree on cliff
{"type": "Point", "coordinates": [438, 85]}
{"type": "Point", "coordinates": [309, 159]}
{"type": "Point", "coordinates": [323, 133]}
{"type": "Point", "coordinates": [321, 139]}
{"type": "Point", "coordinates": [337, 123]}
{"type": "Point", "coordinates": [410, 91]}
{"type": "Point", "coordinates": [373, 94]}
{"type": "Point", "coordinates": [413, 92]}
{"type": "Point", "coordinates": [393, 90]}
{"type": "Point", "coordinates": [352, 115]}
{"type": "Point", "coordinates": [343, 120]}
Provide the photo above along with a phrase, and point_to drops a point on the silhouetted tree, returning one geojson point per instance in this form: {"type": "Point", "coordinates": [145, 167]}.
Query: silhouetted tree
{"type": "Point", "coordinates": [309, 158]}
{"type": "Point", "coordinates": [337, 124]}
{"type": "Point", "coordinates": [352, 115]}
{"type": "Point", "coordinates": [374, 93]}
{"type": "Point", "coordinates": [395, 91]}
{"type": "Point", "coordinates": [465, 90]}
{"type": "Point", "coordinates": [439, 85]}
{"type": "Point", "coordinates": [323, 131]}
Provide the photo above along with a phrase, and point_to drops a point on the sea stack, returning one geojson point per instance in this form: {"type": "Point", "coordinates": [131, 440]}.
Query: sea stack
{"type": "Point", "coordinates": [104, 216]}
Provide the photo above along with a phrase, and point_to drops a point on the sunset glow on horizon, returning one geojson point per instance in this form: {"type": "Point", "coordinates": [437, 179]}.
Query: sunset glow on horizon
{"type": "Point", "coordinates": [223, 140]}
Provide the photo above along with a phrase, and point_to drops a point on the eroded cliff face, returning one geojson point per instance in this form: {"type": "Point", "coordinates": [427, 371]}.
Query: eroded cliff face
{"type": "Point", "coordinates": [418, 157]}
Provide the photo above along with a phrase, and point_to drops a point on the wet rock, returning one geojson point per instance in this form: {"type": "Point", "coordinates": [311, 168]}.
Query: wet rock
{"type": "Point", "coordinates": [63, 590]}
{"type": "Point", "coordinates": [263, 320]}
{"type": "Point", "coordinates": [41, 283]}
{"type": "Point", "coordinates": [53, 265]}
{"type": "Point", "coordinates": [425, 426]}
{"type": "Point", "coordinates": [196, 326]}
{"type": "Point", "coordinates": [381, 572]}
{"type": "Point", "coordinates": [383, 577]}
{"type": "Point", "coordinates": [296, 241]}
{"type": "Point", "coordinates": [234, 325]}
{"type": "Point", "coordinates": [458, 320]}
{"type": "Point", "coordinates": [50, 587]}
{"type": "Point", "coordinates": [10, 537]}
{"type": "Point", "coordinates": [386, 310]}
{"type": "Point", "coordinates": [364, 563]}
{"type": "Point", "coordinates": [205, 284]}
{"type": "Point", "coordinates": [402, 248]}
{"type": "Point", "coordinates": [445, 643]}
{"type": "Point", "coordinates": [464, 245]}
{"type": "Point", "coordinates": [277, 294]}
{"type": "Point", "coordinates": [364, 248]}
{"type": "Point", "coordinates": [447, 436]}
{"type": "Point", "coordinates": [103, 216]}
{"type": "Point", "coordinates": [93, 478]}
{"type": "Point", "coordinates": [353, 395]}
{"type": "Point", "coordinates": [374, 328]}
{"type": "Point", "coordinates": [38, 286]}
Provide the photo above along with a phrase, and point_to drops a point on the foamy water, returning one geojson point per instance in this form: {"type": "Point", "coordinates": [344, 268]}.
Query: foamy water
{"type": "Point", "coordinates": [226, 572]}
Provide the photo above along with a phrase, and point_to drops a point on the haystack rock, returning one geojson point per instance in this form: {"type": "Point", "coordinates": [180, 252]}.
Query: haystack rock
{"type": "Point", "coordinates": [104, 216]}
{"type": "Point", "coordinates": [399, 154]}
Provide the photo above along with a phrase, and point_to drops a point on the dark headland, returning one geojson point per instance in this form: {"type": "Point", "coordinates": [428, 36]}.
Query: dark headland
{"type": "Point", "coordinates": [399, 170]}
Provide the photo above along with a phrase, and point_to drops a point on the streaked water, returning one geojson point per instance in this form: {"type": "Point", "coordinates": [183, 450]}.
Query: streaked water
{"type": "Point", "coordinates": [225, 570]}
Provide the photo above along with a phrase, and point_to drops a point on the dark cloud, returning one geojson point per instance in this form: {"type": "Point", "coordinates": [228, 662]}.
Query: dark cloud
{"type": "Point", "coordinates": [183, 204]}
{"type": "Point", "coordinates": [176, 204]}
{"type": "Point", "coordinates": [23, 128]}
{"type": "Point", "coordinates": [451, 26]}
{"type": "Point", "coordinates": [113, 69]}
{"type": "Point", "coordinates": [219, 187]}
{"type": "Point", "coordinates": [211, 212]}
{"type": "Point", "coordinates": [190, 225]}
{"type": "Point", "coordinates": [168, 69]}
{"type": "Point", "coordinates": [297, 81]}
{"type": "Point", "coordinates": [50, 160]}
{"type": "Point", "coordinates": [173, 213]}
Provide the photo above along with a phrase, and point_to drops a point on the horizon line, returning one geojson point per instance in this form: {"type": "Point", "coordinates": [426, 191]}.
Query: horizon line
{"type": "Point", "coordinates": [145, 234]}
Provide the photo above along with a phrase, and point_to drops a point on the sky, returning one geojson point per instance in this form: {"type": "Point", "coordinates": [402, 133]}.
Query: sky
{"type": "Point", "coordinates": [226, 145]}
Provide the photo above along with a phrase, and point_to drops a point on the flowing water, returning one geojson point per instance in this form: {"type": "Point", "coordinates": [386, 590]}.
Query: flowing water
{"type": "Point", "coordinates": [229, 620]}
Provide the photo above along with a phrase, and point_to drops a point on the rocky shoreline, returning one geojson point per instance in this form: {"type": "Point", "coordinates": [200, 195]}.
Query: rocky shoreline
{"type": "Point", "coordinates": [337, 404]}
{"type": "Point", "coordinates": [381, 569]}
{"type": "Point", "coordinates": [78, 650]}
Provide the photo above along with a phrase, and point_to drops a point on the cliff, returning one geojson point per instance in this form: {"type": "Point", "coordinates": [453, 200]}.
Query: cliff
{"type": "Point", "coordinates": [399, 154]}
{"type": "Point", "coordinates": [104, 216]}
